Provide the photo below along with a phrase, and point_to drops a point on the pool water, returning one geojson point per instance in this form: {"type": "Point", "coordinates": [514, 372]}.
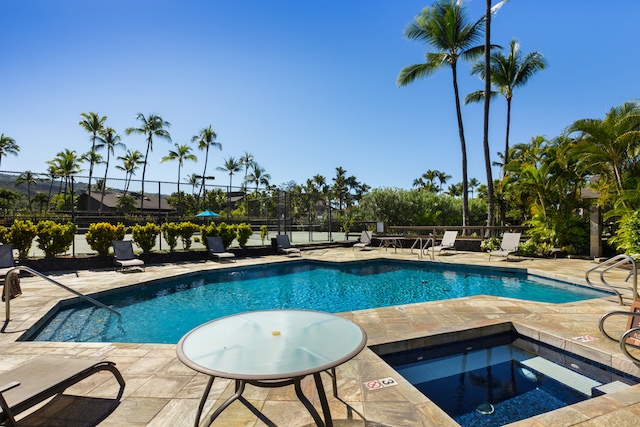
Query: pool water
{"type": "Point", "coordinates": [163, 312]}
{"type": "Point", "coordinates": [495, 381]}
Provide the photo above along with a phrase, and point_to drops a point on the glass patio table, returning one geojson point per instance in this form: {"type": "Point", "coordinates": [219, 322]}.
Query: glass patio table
{"type": "Point", "coordinates": [271, 348]}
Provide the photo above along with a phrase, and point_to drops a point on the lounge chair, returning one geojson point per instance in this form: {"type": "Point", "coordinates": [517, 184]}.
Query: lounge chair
{"type": "Point", "coordinates": [33, 382]}
{"type": "Point", "coordinates": [123, 255]}
{"type": "Point", "coordinates": [6, 259]}
{"type": "Point", "coordinates": [510, 242]}
{"type": "Point", "coordinates": [364, 240]}
{"type": "Point", "coordinates": [447, 243]}
{"type": "Point", "coordinates": [216, 249]}
{"type": "Point", "coordinates": [284, 245]}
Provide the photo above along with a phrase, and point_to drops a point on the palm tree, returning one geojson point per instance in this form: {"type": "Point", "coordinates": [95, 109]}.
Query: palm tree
{"type": "Point", "coordinates": [94, 124]}
{"type": "Point", "coordinates": [258, 176]}
{"type": "Point", "coordinates": [181, 153]}
{"type": "Point", "coordinates": [206, 139]}
{"type": "Point", "coordinates": [152, 125]}
{"type": "Point", "coordinates": [193, 180]}
{"type": "Point", "coordinates": [27, 177]}
{"type": "Point", "coordinates": [110, 140]}
{"type": "Point", "coordinates": [247, 161]}
{"type": "Point", "coordinates": [473, 183]}
{"type": "Point", "coordinates": [443, 27]}
{"type": "Point", "coordinates": [131, 162]}
{"type": "Point", "coordinates": [66, 164]}
{"type": "Point", "coordinates": [443, 177]}
{"type": "Point", "coordinates": [231, 166]}
{"type": "Point", "coordinates": [7, 146]}
{"type": "Point", "coordinates": [507, 74]}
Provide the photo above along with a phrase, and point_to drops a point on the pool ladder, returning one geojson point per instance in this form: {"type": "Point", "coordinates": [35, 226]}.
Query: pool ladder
{"type": "Point", "coordinates": [629, 292]}
{"type": "Point", "coordinates": [7, 291]}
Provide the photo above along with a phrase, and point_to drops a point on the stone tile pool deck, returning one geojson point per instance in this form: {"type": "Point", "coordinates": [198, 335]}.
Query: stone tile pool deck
{"type": "Point", "coordinates": [161, 391]}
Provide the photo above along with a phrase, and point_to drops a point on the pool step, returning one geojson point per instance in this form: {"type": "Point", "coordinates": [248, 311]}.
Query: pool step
{"type": "Point", "coordinates": [609, 388]}
{"type": "Point", "coordinates": [563, 375]}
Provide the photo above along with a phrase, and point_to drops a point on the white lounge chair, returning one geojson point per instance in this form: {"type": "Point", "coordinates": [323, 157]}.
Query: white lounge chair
{"type": "Point", "coordinates": [364, 240]}
{"type": "Point", "coordinates": [33, 382]}
{"type": "Point", "coordinates": [124, 256]}
{"type": "Point", "coordinates": [510, 242]}
{"type": "Point", "coordinates": [284, 245]}
{"type": "Point", "coordinates": [447, 243]}
{"type": "Point", "coordinates": [6, 259]}
{"type": "Point", "coordinates": [216, 249]}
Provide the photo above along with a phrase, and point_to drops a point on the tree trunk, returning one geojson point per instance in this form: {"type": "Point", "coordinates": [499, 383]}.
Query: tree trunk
{"type": "Point", "coordinates": [463, 148]}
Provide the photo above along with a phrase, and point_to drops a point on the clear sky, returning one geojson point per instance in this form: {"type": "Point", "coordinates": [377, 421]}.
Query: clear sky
{"type": "Point", "coordinates": [304, 85]}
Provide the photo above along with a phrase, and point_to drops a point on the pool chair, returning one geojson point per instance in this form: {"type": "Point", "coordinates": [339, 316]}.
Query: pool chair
{"type": "Point", "coordinates": [631, 334]}
{"type": "Point", "coordinates": [216, 249]}
{"type": "Point", "coordinates": [448, 243]}
{"type": "Point", "coordinates": [364, 240]}
{"type": "Point", "coordinates": [510, 242]}
{"type": "Point", "coordinates": [6, 259]}
{"type": "Point", "coordinates": [284, 246]}
{"type": "Point", "coordinates": [123, 255]}
{"type": "Point", "coordinates": [31, 383]}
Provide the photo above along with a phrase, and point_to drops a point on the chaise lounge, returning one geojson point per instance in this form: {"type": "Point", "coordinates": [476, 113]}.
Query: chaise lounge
{"type": "Point", "coordinates": [448, 243]}
{"type": "Point", "coordinates": [124, 256]}
{"type": "Point", "coordinates": [364, 240]}
{"type": "Point", "coordinates": [510, 243]}
{"type": "Point", "coordinates": [6, 259]}
{"type": "Point", "coordinates": [284, 246]}
{"type": "Point", "coordinates": [216, 249]}
{"type": "Point", "coordinates": [33, 382]}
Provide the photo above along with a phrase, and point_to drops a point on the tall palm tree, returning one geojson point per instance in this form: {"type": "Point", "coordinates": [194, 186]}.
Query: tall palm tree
{"type": "Point", "coordinates": [231, 166]}
{"type": "Point", "coordinates": [181, 153]}
{"type": "Point", "coordinates": [247, 161]}
{"type": "Point", "coordinates": [27, 177]}
{"type": "Point", "coordinates": [152, 126]}
{"type": "Point", "coordinates": [507, 74]}
{"type": "Point", "coordinates": [206, 139]}
{"type": "Point", "coordinates": [94, 124]}
{"type": "Point", "coordinates": [110, 140]}
{"type": "Point", "coordinates": [444, 27]}
{"type": "Point", "coordinates": [473, 184]}
{"type": "Point", "coordinates": [66, 164]}
{"type": "Point", "coordinates": [443, 177]}
{"type": "Point", "coordinates": [7, 146]}
{"type": "Point", "coordinates": [131, 162]}
{"type": "Point", "coordinates": [258, 176]}
{"type": "Point", "coordinates": [193, 180]}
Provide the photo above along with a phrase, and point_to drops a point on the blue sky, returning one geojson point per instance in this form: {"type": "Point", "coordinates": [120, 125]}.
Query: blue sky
{"type": "Point", "coordinates": [303, 85]}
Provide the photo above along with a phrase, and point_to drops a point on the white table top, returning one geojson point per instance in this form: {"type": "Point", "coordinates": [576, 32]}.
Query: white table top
{"type": "Point", "coordinates": [271, 344]}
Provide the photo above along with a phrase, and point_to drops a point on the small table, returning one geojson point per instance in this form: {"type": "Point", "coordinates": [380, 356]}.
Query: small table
{"type": "Point", "coordinates": [271, 348]}
{"type": "Point", "coordinates": [393, 241]}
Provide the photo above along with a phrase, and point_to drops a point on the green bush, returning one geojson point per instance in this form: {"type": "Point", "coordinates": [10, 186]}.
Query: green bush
{"type": "Point", "coordinates": [187, 230]}
{"type": "Point", "coordinates": [4, 234]}
{"type": "Point", "coordinates": [53, 238]}
{"type": "Point", "coordinates": [171, 233]}
{"type": "Point", "coordinates": [244, 232]}
{"type": "Point", "coordinates": [490, 244]}
{"type": "Point", "coordinates": [210, 230]}
{"type": "Point", "coordinates": [101, 234]}
{"type": "Point", "coordinates": [627, 237]}
{"type": "Point", "coordinates": [228, 233]}
{"type": "Point", "coordinates": [21, 236]}
{"type": "Point", "coordinates": [145, 236]}
{"type": "Point", "coordinates": [264, 232]}
{"type": "Point", "coordinates": [529, 248]}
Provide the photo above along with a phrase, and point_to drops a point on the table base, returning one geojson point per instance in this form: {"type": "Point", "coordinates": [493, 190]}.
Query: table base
{"type": "Point", "coordinates": [240, 385]}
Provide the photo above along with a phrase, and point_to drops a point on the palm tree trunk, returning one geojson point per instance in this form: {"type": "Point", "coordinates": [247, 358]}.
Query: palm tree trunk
{"type": "Point", "coordinates": [463, 148]}
{"type": "Point", "coordinates": [487, 97]}
{"type": "Point", "coordinates": [144, 171]}
{"type": "Point", "coordinates": [506, 139]}
{"type": "Point", "coordinates": [104, 181]}
{"type": "Point", "coordinates": [204, 173]}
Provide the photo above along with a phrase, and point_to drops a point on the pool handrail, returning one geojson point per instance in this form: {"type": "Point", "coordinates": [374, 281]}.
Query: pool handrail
{"type": "Point", "coordinates": [7, 290]}
{"type": "Point", "coordinates": [612, 263]}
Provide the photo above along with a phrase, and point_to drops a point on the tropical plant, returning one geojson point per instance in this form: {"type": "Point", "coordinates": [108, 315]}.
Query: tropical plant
{"type": "Point", "coordinates": [4, 233]}
{"type": "Point", "coordinates": [41, 199]}
{"type": "Point", "coordinates": [53, 238]}
{"type": "Point", "coordinates": [110, 140]}
{"type": "Point", "coordinates": [152, 126]}
{"type": "Point", "coordinates": [145, 236]}
{"type": "Point", "coordinates": [181, 153]}
{"type": "Point", "coordinates": [243, 233]}
{"type": "Point", "coordinates": [444, 27]}
{"type": "Point", "coordinates": [66, 164]}
{"type": "Point", "coordinates": [209, 230]}
{"type": "Point", "coordinates": [7, 146]}
{"type": "Point", "coordinates": [507, 74]}
{"type": "Point", "coordinates": [187, 230]}
{"type": "Point", "coordinates": [131, 162]}
{"type": "Point", "coordinates": [171, 233]}
{"type": "Point", "coordinates": [27, 177]}
{"type": "Point", "coordinates": [264, 232]}
{"type": "Point", "coordinates": [627, 236]}
{"type": "Point", "coordinates": [21, 236]}
{"type": "Point", "coordinates": [231, 166]}
{"type": "Point", "coordinates": [258, 176]}
{"type": "Point", "coordinates": [94, 124]}
{"type": "Point", "coordinates": [206, 139]}
{"type": "Point", "coordinates": [101, 235]}
{"type": "Point", "coordinates": [247, 161]}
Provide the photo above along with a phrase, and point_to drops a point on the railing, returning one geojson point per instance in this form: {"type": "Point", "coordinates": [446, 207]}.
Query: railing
{"type": "Point", "coordinates": [620, 291]}
{"type": "Point", "coordinates": [7, 291]}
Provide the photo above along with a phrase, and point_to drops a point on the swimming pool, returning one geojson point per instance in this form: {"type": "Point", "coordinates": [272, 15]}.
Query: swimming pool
{"type": "Point", "coordinates": [163, 312]}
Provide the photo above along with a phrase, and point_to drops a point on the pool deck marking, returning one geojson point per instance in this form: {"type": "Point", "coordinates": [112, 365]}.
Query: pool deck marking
{"type": "Point", "coordinates": [160, 392]}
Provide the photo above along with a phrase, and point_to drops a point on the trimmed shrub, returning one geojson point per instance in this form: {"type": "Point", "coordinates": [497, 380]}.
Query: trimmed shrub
{"type": "Point", "coordinates": [210, 230]}
{"type": "Point", "coordinates": [244, 232]}
{"type": "Point", "coordinates": [54, 238]}
{"type": "Point", "coordinates": [21, 236]}
{"type": "Point", "coordinates": [264, 232]}
{"type": "Point", "coordinates": [145, 236]}
{"type": "Point", "coordinates": [171, 232]}
{"type": "Point", "coordinates": [228, 233]}
{"type": "Point", "coordinates": [187, 230]}
{"type": "Point", "coordinates": [4, 234]}
{"type": "Point", "coordinates": [101, 234]}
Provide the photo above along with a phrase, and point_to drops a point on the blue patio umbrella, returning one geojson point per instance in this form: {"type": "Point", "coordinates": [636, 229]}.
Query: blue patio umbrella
{"type": "Point", "coordinates": [207, 214]}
